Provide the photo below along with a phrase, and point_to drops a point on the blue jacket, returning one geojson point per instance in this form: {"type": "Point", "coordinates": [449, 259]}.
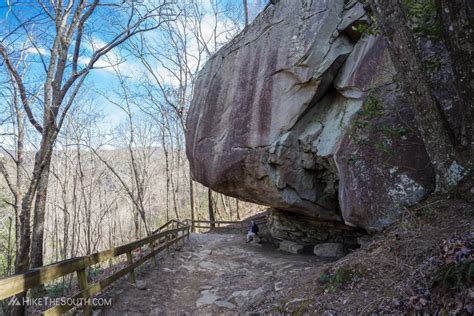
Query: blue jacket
{"type": "Point", "coordinates": [253, 228]}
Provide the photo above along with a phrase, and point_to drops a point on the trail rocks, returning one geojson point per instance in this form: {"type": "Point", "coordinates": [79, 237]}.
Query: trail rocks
{"type": "Point", "coordinates": [141, 284]}
{"type": "Point", "coordinates": [206, 298]}
{"type": "Point", "coordinates": [301, 113]}
{"type": "Point", "coordinates": [224, 304]}
{"type": "Point", "coordinates": [243, 281]}
{"type": "Point", "coordinates": [290, 246]}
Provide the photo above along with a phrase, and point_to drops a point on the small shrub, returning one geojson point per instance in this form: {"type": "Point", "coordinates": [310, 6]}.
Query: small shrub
{"type": "Point", "coordinates": [341, 277]}
{"type": "Point", "coordinates": [433, 63]}
{"type": "Point", "coordinates": [370, 29]}
{"type": "Point", "coordinates": [56, 289]}
{"type": "Point", "coordinates": [455, 276]}
{"type": "Point", "coordinates": [353, 159]}
{"type": "Point", "coordinates": [372, 107]}
{"type": "Point", "coordinates": [423, 17]}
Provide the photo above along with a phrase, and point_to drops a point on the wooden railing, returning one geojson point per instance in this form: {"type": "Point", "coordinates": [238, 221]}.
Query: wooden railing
{"type": "Point", "coordinates": [158, 241]}
{"type": "Point", "coordinates": [223, 225]}
{"type": "Point", "coordinates": [171, 224]}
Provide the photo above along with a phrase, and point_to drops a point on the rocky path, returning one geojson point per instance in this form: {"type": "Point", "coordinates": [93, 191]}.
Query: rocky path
{"type": "Point", "coordinates": [214, 273]}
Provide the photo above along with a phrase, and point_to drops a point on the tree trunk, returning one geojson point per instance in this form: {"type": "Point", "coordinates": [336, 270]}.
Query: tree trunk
{"type": "Point", "coordinates": [237, 209]}
{"type": "Point", "coordinates": [19, 168]}
{"type": "Point", "coordinates": [23, 251]}
{"type": "Point", "coordinates": [458, 37]}
{"type": "Point", "coordinates": [224, 205]}
{"type": "Point", "coordinates": [434, 130]}
{"type": "Point", "coordinates": [136, 225]}
{"type": "Point", "coordinates": [37, 237]}
{"type": "Point", "coordinates": [246, 12]}
{"type": "Point", "coordinates": [9, 248]}
{"type": "Point", "coordinates": [210, 207]}
{"type": "Point", "coordinates": [38, 218]}
{"type": "Point", "coordinates": [191, 198]}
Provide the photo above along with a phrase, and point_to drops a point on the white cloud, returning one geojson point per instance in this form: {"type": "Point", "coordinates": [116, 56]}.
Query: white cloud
{"type": "Point", "coordinates": [37, 51]}
{"type": "Point", "coordinates": [111, 61]}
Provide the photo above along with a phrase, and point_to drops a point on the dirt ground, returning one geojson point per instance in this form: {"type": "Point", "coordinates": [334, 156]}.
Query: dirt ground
{"type": "Point", "coordinates": [212, 273]}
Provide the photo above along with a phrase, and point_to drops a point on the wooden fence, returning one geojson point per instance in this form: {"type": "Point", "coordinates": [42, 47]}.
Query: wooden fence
{"type": "Point", "coordinates": [223, 225]}
{"type": "Point", "coordinates": [169, 234]}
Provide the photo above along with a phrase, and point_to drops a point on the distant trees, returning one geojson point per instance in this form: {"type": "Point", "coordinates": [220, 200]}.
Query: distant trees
{"type": "Point", "coordinates": [57, 32]}
{"type": "Point", "coordinates": [451, 154]}
{"type": "Point", "coordinates": [171, 64]}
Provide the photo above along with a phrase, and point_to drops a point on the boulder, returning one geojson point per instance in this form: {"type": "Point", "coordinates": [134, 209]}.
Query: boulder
{"type": "Point", "coordinates": [141, 284]}
{"type": "Point", "coordinates": [329, 250]}
{"type": "Point", "coordinates": [291, 247]}
{"type": "Point", "coordinates": [301, 114]}
{"type": "Point", "coordinates": [310, 231]}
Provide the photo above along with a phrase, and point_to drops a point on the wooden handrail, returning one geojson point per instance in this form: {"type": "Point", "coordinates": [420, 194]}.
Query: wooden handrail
{"type": "Point", "coordinates": [170, 222]}
{"type": "Point", "coordinates": [227, 222]}
{"type": "Point", "coordinates": [204, 224]}
{"type": "Point", "coordinates": [175, 229]}
{"type": "Point", "coordinates": [216, 222]}
{"type": "Point", "coordinates": [20, 283]}
{"type": "Point", "coordinates": [99, 286]}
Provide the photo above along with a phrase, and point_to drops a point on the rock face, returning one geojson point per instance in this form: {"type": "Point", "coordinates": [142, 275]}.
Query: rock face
{"type": "Point", "coordinates": [307, 230]}
{"type": "Point", "coordinates": [301, 113]}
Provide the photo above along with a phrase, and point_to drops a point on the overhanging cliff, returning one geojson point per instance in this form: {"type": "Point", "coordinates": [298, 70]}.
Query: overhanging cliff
{"type": "Point", "coordinates": [302, 113]}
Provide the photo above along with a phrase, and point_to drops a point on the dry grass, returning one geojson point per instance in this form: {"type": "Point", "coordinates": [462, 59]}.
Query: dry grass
{"type": "Point", "coordinates": [396, 271]}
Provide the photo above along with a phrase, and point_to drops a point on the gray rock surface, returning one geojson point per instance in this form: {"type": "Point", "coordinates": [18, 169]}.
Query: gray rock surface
{"type": "Point", "coordinates": [308, 230]}
{"type": "Point", "coordinates": [301, 114]}
{"type": "Point", "coordinates": [329, 250]}
{"type": "Point", "coordinates": [224, 304]}
{"type": "Point", "coordinates": [291, 247]}
{"type": "Point", "coordinates": [141, 284]}
{"type": "Point", "coordinates": [206, 298]}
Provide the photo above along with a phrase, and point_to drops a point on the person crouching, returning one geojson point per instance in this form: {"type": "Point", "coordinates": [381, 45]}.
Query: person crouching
{"type": "Point", "coordinates": [252, 231]}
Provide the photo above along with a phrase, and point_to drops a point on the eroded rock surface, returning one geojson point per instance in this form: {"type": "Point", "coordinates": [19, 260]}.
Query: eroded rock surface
{"type": "Point", "coordinates": [307, 230]}
{"type": "Point", "coordinates": [329, 250]}
{"type": "Point", "coordinates": [303, 114]}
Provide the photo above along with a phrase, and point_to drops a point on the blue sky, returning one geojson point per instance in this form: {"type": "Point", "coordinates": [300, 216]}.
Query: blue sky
{"type": "Point", "coordinates": [100, 81]}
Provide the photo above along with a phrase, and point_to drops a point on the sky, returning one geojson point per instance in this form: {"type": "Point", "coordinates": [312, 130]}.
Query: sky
{"type": "Point", "coordinates": [100, 82]}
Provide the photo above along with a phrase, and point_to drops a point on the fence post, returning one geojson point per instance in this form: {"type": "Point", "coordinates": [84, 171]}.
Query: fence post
{"type": "Point", "coordinates": [167, 245]}
{"type": "Point", "coordinates": [83, 284]}
{"type": "Point", "coordinates": [152, 245]}
{"type": "Point", "coordinates": [130, 262]}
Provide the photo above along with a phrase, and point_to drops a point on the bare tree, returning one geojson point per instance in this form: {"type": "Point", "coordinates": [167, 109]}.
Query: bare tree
{"type": "Point", "coordinates": [210, 207]}
{"type": "Point", "coordinates": [63, 78]}
{"type": "Point", "coordinates": [246, 12]}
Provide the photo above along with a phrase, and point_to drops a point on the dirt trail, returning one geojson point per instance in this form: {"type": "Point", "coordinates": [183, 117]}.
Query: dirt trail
{"type": "Point", "coordinates": [214, 273]}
